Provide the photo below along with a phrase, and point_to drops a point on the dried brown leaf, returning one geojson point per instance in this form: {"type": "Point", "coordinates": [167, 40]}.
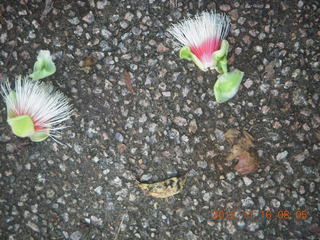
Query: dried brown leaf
{"type": "Point", "coordinates": [241, 150]}
{"type": "Point", "coordinates": [246, 142]}
{"type": "Point", "coordinates": [231, 135]}
{"type": "Point", "coordinates": [89, 61]}
{"type": "Point", "coordinates": [235, 151]}
{"type": "Point", "coordinates": [127, 79]}
{"type": "Point", "coordinates": [164, 189]}
{"type": "Point", "coordinates": [248, 162]}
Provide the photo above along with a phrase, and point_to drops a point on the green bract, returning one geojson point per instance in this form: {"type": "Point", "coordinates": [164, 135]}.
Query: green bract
{"type": "Point", "coordinates": [227, 85]}
{"type": "Point", "coordinates": [220, 58]}
{"type": "Point", "coordinates": [44, 66]}
{"type": "Point", "coordinates": [185, 53]}
{"type": "Point", "coordinates": [39, 136]}
{"type": "Point", "coordinates": [22, 126]}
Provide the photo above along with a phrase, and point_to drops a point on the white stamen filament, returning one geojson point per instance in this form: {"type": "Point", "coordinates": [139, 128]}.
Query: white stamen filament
{"type": "Point", "coordinates": [194, 31]}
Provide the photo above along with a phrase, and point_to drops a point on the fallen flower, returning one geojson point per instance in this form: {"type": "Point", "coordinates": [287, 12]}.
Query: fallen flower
{"type": "Point", "coordinates": [44, 66]}
{"type": "Point", "coordinates": [201, 37]}
{"type": "Point", "coordinates": [34, 109]}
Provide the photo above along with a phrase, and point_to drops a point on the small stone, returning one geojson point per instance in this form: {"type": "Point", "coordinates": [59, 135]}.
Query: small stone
{"type": "Point", "coordinates": [33, 226]}
{"type": "Point", "coordinates": [98, 190]}
{"type": "Point", "coordinates": [247, 202]}
{"type": "Point", "coordinates": [248, 83]}
{"type": "Point", "coordinates": [262, 202]}
{"type": "Point", "coordinates": [136, 31]}
{"type": "Point", "coordinates": [219, 135]}
{"type": "Point", "coordinates": [74, 21]}
{"type": "Point", "coordinates": [193, 126]}
{"type": "Point", "coordinates": [241, 20]}
{"type": "Point", "coordinates": [225, 7]}
{"type": "Point", "coordinates": [253, 226]}
{"type": "Point", "coordinates": [275, 203]}
{"type": "Point", "coordinates": [166, 94]}
{"type": "Point", "coordinates": [129, 16]}
{"type": "Point", "coordinates": [180, 121]}
{"type": "Point", "coordinates": [230, 176]}
{"type": "Point", "coordinates": [301, 156]}
{"type": "Point", "coordinates": [101, 4]}
{"type": "Point", "coordinates": [89, 18]}
{"type": "Point", "coordinates": [119, 137]}
{"type": "Point", "coordinates": [202, 164]}
{"type": "Point", "coordinates": [145, 177]}
{"type": "Point", "coordinates": [258, 49]}
{"type": "Point", "coordinates": [104, 46]}
{"type": "Point", "coordinates": [76, 235]}
{"type": "Point", "coordinates": [162, 48]}
{"type": "Point", "coordinates": [247, 181]}
{"type": "Point", "coordinates": [124, 24]}
{"type": "Point", "coordinates": [207, 196]}
{"type": "Point", "coordinates": [281, 155]}
{"type": "Point", "coordinates": [247, 39]}
{"type": "Point", "coordinates": [300, 4]}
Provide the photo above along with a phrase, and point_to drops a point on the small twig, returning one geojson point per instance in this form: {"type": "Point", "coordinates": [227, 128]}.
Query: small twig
{"type": "Point", "coordinates": [127, 79]}
{"type": "Point", "coordinates": [119, 228]}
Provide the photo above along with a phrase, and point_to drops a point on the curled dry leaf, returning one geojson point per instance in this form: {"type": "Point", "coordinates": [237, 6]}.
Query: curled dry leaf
{"type": "Point", "coordinates": [248, 162]}
{"type": "Point", "coordinates": [231, 135]}
{"type": "Point", "coordinates": [241, 150]}
{"type": "Point", "coordinates": [164, 189]}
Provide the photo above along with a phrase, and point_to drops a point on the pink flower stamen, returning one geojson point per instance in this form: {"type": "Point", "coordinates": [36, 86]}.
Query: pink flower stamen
{"type": "Point", "coordinates": [204, 51]}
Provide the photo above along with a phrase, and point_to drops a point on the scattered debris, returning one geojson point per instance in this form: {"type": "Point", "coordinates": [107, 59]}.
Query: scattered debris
{"type": "Point", "coordinates": [127, 79]}
{"type": "Point", "coordinates": [164, 189]}
{"type": "Point", "coordinates": [242, 150]}
{"type": "Point", "coordinates": [269, 70]}
{"type": "Point", "coordinates": [87, 63]}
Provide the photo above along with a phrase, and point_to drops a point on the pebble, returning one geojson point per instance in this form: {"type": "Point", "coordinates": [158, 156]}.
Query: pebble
{"type": "Point", "coordinates": [282, 155]}
{"type": "Point", "coordinates": [275, 203]}
{"type": "Point", "coordinates": [248, 83]}
{"type": "Point", "coordinates": [225, 7]}
{"type": "Point", "coordinates": [77, 235]}
{"type": "Point", "coordinates": [33, 226]}
{"type": "Point", "coordinates": [74, 21]}
{"type": "Point", "coordinates": [301, 156]}
{"type": "Point", "coordinates": [219, 135]}
{"type": "Point", "coordinates": [202, 164]}
{"type": "Point", "coordinates": [247, 181]}
{"type": "Point", "coordinates": [89, 18]}
{"type": "Point", "coordinates": [247, 202]}
{"type": "Point", "coordinates": [119, 137]}
{"type": "Point", "coordinates": [180, 121]}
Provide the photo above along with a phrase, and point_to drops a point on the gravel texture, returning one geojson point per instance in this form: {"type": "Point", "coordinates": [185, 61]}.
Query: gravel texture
{"type": "Point", "coordinates": [169, 125]}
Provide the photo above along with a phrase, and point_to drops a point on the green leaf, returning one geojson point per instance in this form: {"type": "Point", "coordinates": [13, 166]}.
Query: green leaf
{"type": "Point", "coordinates": [22, 126]}
{"type": "Point", "coordinates": [185, 53]}
{"type": "Point", "coordinates": [220, 57]}
{"type": "Point", "coordinates": [227, 85]}
{"type": "Point", "coordinates": [39, 136]}
{"type": "Point", "coordinates": [44, 66]}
